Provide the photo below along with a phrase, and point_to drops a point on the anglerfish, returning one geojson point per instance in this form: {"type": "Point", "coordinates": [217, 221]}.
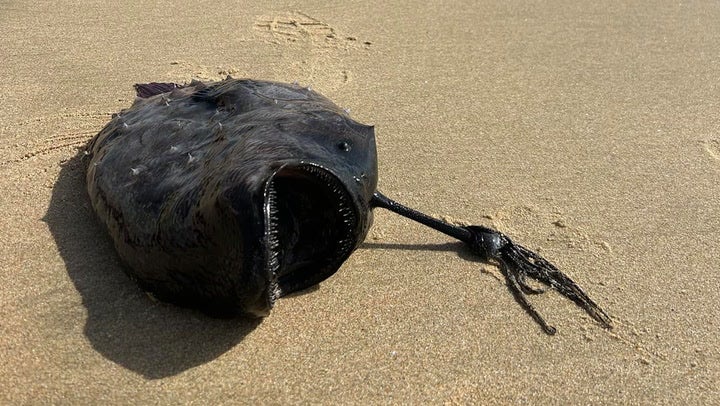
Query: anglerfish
{"type": "Point", "coordinates": [225, 196]}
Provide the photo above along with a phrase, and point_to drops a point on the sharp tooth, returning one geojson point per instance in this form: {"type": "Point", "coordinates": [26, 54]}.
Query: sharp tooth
{"type": "Point", "coordinates": [273, 242]}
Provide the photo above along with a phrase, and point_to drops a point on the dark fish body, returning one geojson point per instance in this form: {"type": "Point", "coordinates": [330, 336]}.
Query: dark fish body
{"type": "Point", "coordinates": [226, 195]}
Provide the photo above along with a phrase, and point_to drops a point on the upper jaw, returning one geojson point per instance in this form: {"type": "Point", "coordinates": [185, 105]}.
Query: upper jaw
{"type": "Point", "coordinates": [312, 223]}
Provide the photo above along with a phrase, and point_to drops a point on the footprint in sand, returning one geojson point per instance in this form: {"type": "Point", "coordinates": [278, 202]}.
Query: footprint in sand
{"type": "Point", "coordinates": [298, 27]}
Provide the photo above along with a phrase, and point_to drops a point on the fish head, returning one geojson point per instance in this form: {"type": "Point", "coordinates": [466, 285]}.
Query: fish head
{"type": "Point", "coordinates": [316, 206]}
{"type": "Point", "coordinates": [313, 181]}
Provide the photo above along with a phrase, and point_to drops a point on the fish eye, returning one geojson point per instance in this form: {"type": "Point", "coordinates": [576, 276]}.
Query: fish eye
{"type": "Point", "coordinates": [344, 146]}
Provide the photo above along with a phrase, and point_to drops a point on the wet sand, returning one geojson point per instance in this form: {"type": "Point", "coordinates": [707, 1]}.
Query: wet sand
{"type": "Point", "coordinates": [590, 133]}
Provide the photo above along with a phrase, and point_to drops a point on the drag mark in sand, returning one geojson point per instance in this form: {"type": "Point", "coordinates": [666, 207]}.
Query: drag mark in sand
{"type": "Point", "coordinates": [31, 143]}
{"type": "Point", "coordinates": [47, 146]}
{"type": "Point", "coordinates": [627, 333]}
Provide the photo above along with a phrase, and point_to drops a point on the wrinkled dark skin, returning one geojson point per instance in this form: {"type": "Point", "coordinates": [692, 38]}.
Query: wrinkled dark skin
{"type": "Point", "coordinates": [225, 196]}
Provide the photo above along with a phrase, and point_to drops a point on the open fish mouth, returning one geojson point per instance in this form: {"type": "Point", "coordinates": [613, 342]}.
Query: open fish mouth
{"type": "Point", "coordinates": [311, 226]}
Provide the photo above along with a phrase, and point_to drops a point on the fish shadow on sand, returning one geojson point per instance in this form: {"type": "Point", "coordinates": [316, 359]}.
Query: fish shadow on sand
{"type": "Point", "coordinates": [459, 248]}
{"type": "Point", "coordinates": [123, 324]}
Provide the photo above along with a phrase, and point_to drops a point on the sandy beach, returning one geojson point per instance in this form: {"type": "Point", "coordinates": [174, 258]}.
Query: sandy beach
{"type": "Point", "coordinates": [588, 132]}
